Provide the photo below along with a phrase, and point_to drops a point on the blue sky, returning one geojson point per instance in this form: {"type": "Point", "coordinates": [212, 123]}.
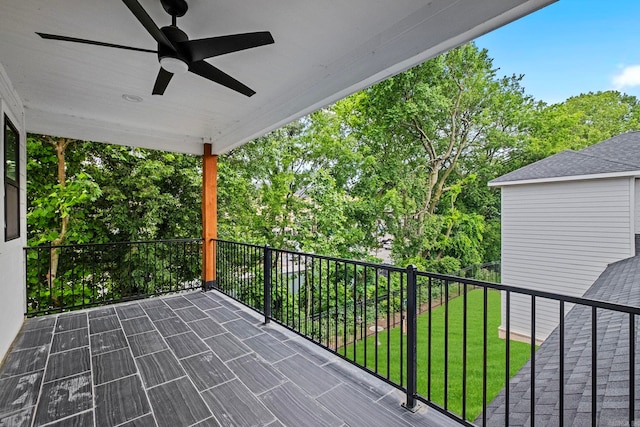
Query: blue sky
{"type": "Point", "coordinates": [571, 47]}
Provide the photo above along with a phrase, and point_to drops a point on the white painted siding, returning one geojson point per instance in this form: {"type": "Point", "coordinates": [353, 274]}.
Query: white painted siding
{"type": "Point", "coordinates": [636, 213]}
{"type": "Point", "coordinates": [559, 237]}
{"type": "Point", "coordinates": [12, 292]}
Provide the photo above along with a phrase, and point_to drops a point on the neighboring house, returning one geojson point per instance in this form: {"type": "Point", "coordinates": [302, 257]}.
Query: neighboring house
{"type": "Point", "coordinates": [564, 220]}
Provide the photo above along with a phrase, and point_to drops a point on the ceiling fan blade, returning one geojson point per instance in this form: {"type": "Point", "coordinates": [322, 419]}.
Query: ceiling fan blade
{"type": "Point", "coordinates": [208, 71]}
{"type": "Point", "coordinates": [214, 46]}
{"type": "Point", "coordinates": [93, 42]}
{"type": "Point", "coordinates": [148, 23]}
{"type": "Point", "coordinates": [162, 81]}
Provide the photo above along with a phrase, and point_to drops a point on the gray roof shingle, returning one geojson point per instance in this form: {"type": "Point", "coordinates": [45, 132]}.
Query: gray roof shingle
{"type": "Point", "coordinates": [619, 283]}
{"type": "Point", "coordinates": [618, 154]}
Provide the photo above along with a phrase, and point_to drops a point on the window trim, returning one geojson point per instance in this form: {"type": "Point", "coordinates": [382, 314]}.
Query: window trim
{"type": "Point", "coordinates": [9, 127]}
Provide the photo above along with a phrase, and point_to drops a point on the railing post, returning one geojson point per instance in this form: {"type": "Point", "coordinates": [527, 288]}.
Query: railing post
{"type": "Point", "coordinates": [412, 324]}
{"type": "Point", "coordinates": [267, 284]}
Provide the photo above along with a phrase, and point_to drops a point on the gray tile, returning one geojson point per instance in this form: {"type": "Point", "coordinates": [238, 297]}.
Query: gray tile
{"type": "Point", "coordinates": [252, 317]}
{"type": "Point", "coordinates": [107, 341]}
{"type": "Point", "coordinates": [283, 399]}
{"type": "Point", "coordinates": [190, 314]}
{"type": "Point", "coordinates": [152, 302]}
{"type": "Point", "coordinates": [68, 363]}
{"type": "Point", "coordinates": [24, 361]}
{"type": "Point", "coordinates": [63, 341]}
{"type": "Point", "coordinates": [209, 422]}
{"type": "Point", "coordinates": [144, 421]}
{"type": "Point", "coordinates": [242, 329]}
{"type": "Point", "coordinates": [206, 328]}
{"type": "Point", "coordinates": [33, 338]}
{"type": "Point", "coordinates": [69, 322]}
{"type": "Point", "coordinates": [193, 295]}
{"type": "Point", "coordinates": [19, 392]}
{"type": "Point", "coordinates": [101, 312]}
{"type": "Point", "coordinates": [359, 379]}
{"type": "Point", "coordinates": [186, 344]}
{"type": "Point", "coordinates": [103, 324]}
{"type": "Point", "coordinates": [81, 420]}
{"type": "Point", "coordinates": [63, 398]}
{"type": "Point", "coordinates": [171, 326]}
{"type": "Point", "coordinates": [20, 418]}
{"type": "Point", "coordinates": [206, 370]}
{"type": "Point", "coordinates": [44, 322]}
{"type": "Point", "coordinates": [229, 303]}
{"type": "Point", "coordinates": [158, 368]}
{"type": "Point", "coordinates": [234, 405]}
{"type": "Point", "coordinates": [347, 403]}
{"type": "Point", "coordinates": [307, 375]}
{"type": "Point", "coordinates": [159, 312]}
{"type": "Point", "coordinates": [205, 303]}
{"type": "Point", "coordinates": [113, 365]}
{"type": "Point", "coordinates": [310, 350]}
{"type": "Point", "coordinates": [269, 349]}
{"type": "Point", "coordinates": [177, 403]}
{"type": "Point", "coordinates": [276, 332]}
{"type": "Point", "coordinates": [227, 347]}
{"type": "Point", "coordinates": [146, 343]}
{"type": "Point", "coordinates": [129, 311]}
{"type": "Point", "coordinates": [137, 326]}
{"type": "Point", "coordinates": [177, 302]}
{"type": "Point", "coordinates": [120, 401]}
{"type": "Point", "coordinates": [257, 375]}
{"type": "Point", "coordinates": [221, 314]}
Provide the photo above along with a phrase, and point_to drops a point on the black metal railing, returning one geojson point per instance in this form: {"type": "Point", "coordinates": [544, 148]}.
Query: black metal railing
{"type": "Point", "coordinates": [68, 277]}
{"type": "Point", "coordinates": [438, 338]}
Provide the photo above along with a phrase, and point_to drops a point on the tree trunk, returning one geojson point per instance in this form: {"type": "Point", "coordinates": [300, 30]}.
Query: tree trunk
{"type": "Point", "coordinates": [60, 145]}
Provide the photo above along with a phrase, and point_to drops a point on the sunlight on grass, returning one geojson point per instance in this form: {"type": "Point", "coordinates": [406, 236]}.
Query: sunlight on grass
{"type": "Point", "coordinates": [377, 355]}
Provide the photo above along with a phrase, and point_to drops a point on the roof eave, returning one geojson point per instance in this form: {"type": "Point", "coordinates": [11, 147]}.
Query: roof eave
{"type": "Point", "coordinates": [632, 173]}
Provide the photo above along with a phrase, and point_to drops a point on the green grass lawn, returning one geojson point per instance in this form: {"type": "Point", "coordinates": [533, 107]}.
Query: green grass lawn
{"type": "Point", "coordinates": [519, 353]}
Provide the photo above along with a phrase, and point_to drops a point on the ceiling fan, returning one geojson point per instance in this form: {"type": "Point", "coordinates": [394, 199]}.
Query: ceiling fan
{"type": "Point", "coordinates": [177, 54]}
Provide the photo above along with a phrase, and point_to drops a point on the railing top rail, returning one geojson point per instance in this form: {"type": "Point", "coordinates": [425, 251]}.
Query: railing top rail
{"type": "Point", "coordinates": [323, 257]}
{"type": "Point", "coordinates": [246, 245]}
{"type": "Point", "coordinates": [533, 292]}
{"type": "Point", "coordinates": [139, 242]}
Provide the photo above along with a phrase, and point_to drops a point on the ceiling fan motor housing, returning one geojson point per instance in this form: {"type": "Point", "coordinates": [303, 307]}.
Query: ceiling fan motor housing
{"type": "Point", "coordinates": [175, 7]}
{"type": "Point", "coordinates": [175, 36]}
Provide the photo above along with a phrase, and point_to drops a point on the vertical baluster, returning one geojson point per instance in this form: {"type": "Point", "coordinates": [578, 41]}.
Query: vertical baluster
{"type": "Point", "coordinates": [464, 352]}
{"type": "Point", "coordinates": [533, 359]}
{"type": "Point", "coordinates": [429, 333]}
{"type": "Point", "coordinates": [484, 357]}
{"type": "Point", "coordinates": [632, 369]}
{"type": "Point", "coordinates": [594, 366]}
{"type": "Point", "coordinates": [446, 344]}
{"type": "Point", "coordinates": [507, 356]}
{"type": "Point", "coordinates": [375, 324]}
{"type": "Point", "coordinates": [561, 361]}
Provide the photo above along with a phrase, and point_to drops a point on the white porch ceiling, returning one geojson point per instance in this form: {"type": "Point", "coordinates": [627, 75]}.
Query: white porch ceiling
{"type": "Point", "coordinates": [324, 50]}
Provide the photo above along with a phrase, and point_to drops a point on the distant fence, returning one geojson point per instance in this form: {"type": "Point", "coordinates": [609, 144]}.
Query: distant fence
{"type": "Point", "coordinates": [488, 272]}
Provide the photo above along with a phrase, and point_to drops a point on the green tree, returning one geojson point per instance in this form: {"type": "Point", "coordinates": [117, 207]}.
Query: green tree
{"type": "Point", "coordinates": [579, 122]}
{"type": "Point", "coordinates": [421, 133]}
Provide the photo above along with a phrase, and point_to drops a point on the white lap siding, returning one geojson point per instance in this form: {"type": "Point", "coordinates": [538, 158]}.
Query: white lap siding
{"type": "Point", "coordinates": [559, 237]}
{"type": "Point", "coordinates": [12, 282]}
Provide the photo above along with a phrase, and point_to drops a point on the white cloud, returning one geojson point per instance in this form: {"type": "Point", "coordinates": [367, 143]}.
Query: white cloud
{"type": "Point", "coordinates": [628, 77]}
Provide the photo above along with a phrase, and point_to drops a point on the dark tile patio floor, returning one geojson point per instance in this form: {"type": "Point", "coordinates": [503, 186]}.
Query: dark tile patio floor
{"type": "Point", "coordinates": [197, 359]}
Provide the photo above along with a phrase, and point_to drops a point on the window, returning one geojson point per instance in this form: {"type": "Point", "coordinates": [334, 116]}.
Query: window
{"type": "Point", "coordinates": [11, 181]}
